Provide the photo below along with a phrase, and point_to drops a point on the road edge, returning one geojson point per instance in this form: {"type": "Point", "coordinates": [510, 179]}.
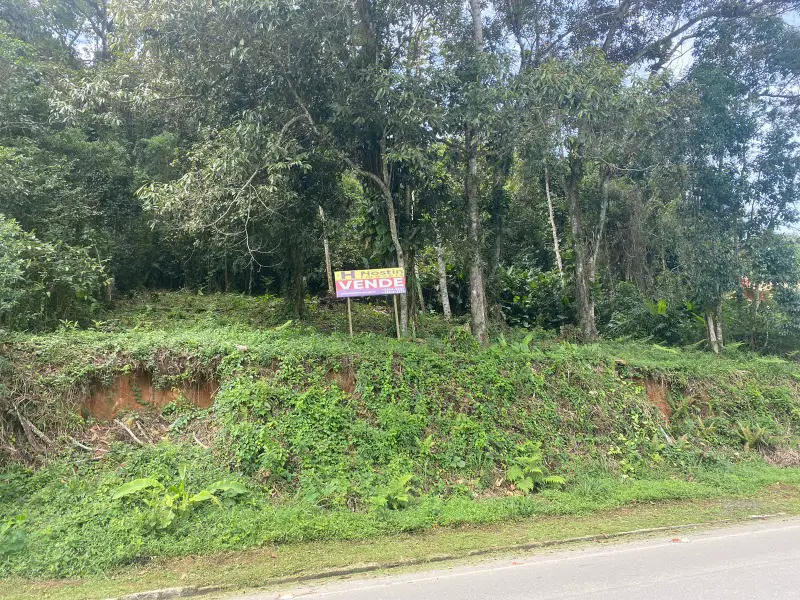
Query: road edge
{"type": "Point", "coordinates": [193, 592]}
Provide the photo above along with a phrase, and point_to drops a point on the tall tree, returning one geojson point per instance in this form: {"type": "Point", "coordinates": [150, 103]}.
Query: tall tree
{"type": "Point", "coordinates": [477, 284]}
{"type": "Point", "coordinates": [600, 122]}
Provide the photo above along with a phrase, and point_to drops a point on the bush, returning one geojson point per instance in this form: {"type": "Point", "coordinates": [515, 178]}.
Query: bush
{"type": "Point", "coordinates": [535, 299]}
{"type": "Point", "coordinates": [667, 320]}
{"type": "Point", "coordinates": [42, 283]}
{"type": "Point", "coordinates": [774, 328]}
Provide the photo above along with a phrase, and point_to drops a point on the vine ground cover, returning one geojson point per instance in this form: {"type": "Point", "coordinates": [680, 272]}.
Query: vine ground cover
{"type": "Point", "coordinates": [339, 439]}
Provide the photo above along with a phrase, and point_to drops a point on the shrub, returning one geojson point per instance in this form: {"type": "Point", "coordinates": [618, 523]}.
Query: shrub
{"type": "Point", "coordinates": [42, 283]}
{"type": "Point", "coordinates": [162, 505]}
{"type": "Point", "coordinates": [12, 536]}
{"type": "Point", "coordinates": [530, 298]}
{"type": "Point", "coordinates": [667, 320]}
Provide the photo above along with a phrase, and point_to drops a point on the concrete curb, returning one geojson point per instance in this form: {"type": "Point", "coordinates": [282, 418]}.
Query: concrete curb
{"type": "Point", "coordinates": [189, 592]}
{"type": "Point", "coordinates": [177, 592]}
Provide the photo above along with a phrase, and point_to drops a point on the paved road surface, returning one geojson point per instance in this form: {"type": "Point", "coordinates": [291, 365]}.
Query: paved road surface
{"type": "Point", "coordinates": [753, 562]}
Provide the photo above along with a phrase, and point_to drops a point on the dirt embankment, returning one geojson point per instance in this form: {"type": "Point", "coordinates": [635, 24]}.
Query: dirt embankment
{"type": "Point", "coordinates": [136, 392]}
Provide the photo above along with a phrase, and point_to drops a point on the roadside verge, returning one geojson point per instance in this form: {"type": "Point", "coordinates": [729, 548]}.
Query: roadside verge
{"type": "Point", "coordinates": [281, 566]}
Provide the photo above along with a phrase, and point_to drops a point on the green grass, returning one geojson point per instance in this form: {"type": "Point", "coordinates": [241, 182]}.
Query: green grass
{"type": "Point", "coordinates": [262, 566]}
{"type": "Point", "coordinates": [323, 430]}
{"type": "Point", "coordinates": [178, 310]}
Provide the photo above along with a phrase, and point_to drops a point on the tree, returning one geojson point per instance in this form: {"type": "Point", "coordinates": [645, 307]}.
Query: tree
{"type": "Point", "coordinates": [537, 157]}
{"type": "Point", "coordinates": [744, 166]}
{"type": "Point", "coordinates": [599, 123]}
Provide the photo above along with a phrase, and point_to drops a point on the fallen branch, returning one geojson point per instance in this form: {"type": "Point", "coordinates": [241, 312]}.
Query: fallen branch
{"type": "Point", "coordinates": [129, 432]}
{"type": "Point", "coordinates": [81, 446]}
{"type": "Point", "coordinates": [199, 443]}
{"type": "Point", "coordinates": [143, 432]}
{"type": "Point", "coordinates": [31, 429]}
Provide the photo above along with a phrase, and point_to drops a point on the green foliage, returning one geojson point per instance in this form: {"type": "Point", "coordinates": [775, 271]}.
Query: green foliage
{"type": "Point", "coordinates": [754, 438]}
{"type": "Point", "coordinates": [534, 299]}
{"type": "Point", "coordinates": [42, 283]}
{"type": "Point", "coordinates": [12, 536]}
{"type": "Point", "coordinates": [667, 320]}
{"type": "Point", "coordinates": [73, 528]}
{"type": "Point", "coordinates": [461, 339]}
{"type": "Point", "coordinates": [322, 428]}
{"type": "Point", "coordinates": [527, 471]}
{"type": "Point", "coordinates": [661, 191]}
{"type": "Point", "coordinates": [165, 504]}
{"type": "Point", "coordinates": [586, 144]}
{"type": "Point", "coordinates": [640, 449]}
{"type": "Point", "coordinates": [245, 408]}
{"type": "Point", "coordinates": [396, 494]}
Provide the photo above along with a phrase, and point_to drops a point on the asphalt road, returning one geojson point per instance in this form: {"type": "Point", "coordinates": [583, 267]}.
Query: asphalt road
{"type": "Point", "coordinates": [755, 561]}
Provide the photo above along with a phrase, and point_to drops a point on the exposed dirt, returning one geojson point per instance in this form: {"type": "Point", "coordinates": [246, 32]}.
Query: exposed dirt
{"type": "Point", "coordinates": [783, 457]}
{"type": "Point", "coordinates": [345, 379]}
{"type": "Point", "coordinates": [136, 393]}
{"type": "Point", "coordinates": [657, 392]}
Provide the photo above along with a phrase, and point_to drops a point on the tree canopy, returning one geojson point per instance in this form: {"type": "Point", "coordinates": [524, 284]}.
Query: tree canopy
{"type": "Point", "coordinates": [624, 168]}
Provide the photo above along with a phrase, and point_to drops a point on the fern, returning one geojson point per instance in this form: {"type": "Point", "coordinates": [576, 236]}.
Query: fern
{"type": "Point", "coordinates": [754, 437]}
{"type": "Point", "coordinates": [554, 481]}
{"type": "Point", "coordinates": [396, 494]}
{"type": "Point", "coordinates": [527, 471]}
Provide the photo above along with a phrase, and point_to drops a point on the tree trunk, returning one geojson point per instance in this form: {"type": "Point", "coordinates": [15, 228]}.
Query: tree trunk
{"type": "Point", "coordinates": [398, 247]}
{"type": "Point", "coordinates": [326, 248]}
{"type": "Point", "coordinates": [443, 295]}
{"type": "Point", "coordinates": [418, 287]}
{"type": "Point", "coordinates": [553, 226]}
{"type": "Point", "coordinates": [410, 211]}
{"type": "Point", "coordinates": [584, 265]}
{"type": "Point", "coordinates": [754, 314]}
{"type": "Point", "coordinates": [711, 333]}
{"type": "Point", "coordinates": [585, 302]}
{"type": "Point", "coordinates": [366, 14]}
{"type": "Point", "coordinates": [477, 26]}
{"type": "Point", "coordinates": [477, 286]}
{"type": "Point", "coordinates": [226, 273]}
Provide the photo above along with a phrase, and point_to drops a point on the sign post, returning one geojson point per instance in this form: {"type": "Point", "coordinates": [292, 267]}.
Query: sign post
{"type": "Point", "coordinates": [370, 282]}
{"type": "Point", "coordinates": [350, 317]}
{"type": "Point", "coordinates": [396, 317]}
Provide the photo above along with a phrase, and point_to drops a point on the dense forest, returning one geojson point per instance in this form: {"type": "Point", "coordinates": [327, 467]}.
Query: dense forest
{"type": "Point", "coordinates": [601, 168]}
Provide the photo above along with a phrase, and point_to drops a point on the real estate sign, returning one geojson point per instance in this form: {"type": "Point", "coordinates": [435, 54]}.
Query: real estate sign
{"type": "Point", "coordinates": [370, 282]}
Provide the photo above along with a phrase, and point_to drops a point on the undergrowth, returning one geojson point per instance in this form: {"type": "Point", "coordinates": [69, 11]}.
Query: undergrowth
{"type": "Point", "coordinates": [325, 437]}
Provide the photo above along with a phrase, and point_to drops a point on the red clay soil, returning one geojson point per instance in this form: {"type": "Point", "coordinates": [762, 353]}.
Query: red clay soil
{"type": "Point", "coordinates": [657, 391]}
{"type": "Point", "coordinates": [345, 379]}
{"type": "Point", "coordinates": [136, 393]}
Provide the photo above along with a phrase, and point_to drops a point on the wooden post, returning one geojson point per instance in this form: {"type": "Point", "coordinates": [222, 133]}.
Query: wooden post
{"type": "Point", "coordinates": [350, 317]}
{"type": "Point", "coordinates": [396, 316]}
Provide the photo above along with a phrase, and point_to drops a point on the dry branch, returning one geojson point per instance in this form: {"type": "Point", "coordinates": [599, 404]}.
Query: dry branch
{"type": "Point", "coordinates": [129, 432]}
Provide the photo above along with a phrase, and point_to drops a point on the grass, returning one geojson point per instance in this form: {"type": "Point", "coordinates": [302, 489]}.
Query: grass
{"type": "Point", "coordinates": [75, 529]}
{"type": "Point", "coordinates": [324, 431]}
{"type": "Point", "coordinates": [257, 568]}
